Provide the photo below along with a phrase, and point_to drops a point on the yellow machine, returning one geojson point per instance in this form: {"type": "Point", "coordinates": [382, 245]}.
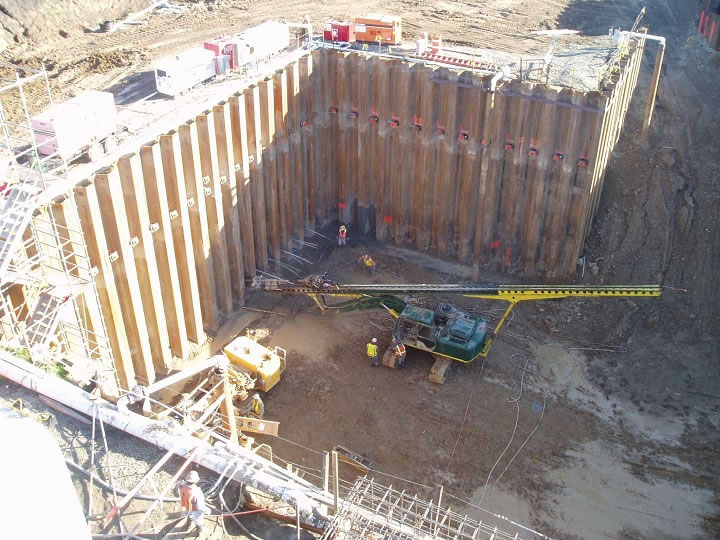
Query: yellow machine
{"type": "Point", "coordinates": [263, 364]}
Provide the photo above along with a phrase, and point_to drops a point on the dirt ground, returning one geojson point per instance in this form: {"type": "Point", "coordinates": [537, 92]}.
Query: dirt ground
{"type": "Point", "coordinates": [628, 440]}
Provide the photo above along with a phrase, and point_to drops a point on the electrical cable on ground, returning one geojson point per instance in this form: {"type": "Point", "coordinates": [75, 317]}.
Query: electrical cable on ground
{"type": "Point", "coordinates": [526, 440]}
{"type": "Point", "coordinates": [462, 425]}
{"type": "Point", "coordinates": [118, 491]}
{"type": "Point", "coordinates": [516, 401]}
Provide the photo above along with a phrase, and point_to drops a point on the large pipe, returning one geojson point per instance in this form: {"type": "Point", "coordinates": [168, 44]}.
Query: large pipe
{"type": "Point", "coordinates": [253, 470]}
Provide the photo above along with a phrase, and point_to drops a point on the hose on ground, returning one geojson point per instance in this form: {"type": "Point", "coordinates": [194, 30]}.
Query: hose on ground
{"type": "Point", "coordinates": [118, 491]}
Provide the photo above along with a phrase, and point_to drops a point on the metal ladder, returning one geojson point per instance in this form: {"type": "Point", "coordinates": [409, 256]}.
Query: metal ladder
{"type": "Point", "coordinates": [43, 323]}
{"type": "Point", "coordinates": [15, 215]}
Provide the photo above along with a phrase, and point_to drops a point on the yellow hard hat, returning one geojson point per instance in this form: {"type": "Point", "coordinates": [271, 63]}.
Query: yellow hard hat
{"type": "Point", "coordinates": [342, 227]}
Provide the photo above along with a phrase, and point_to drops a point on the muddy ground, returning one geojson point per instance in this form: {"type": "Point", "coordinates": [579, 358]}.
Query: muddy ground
{"type": "Point", "coordinates": [628, 440]}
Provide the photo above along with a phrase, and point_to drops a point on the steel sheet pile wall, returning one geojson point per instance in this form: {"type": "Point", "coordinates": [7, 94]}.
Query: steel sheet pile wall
{"type": "Point", "coordinates": [426, 157]}
{"type": "Point", "coordinates": [175, 228]}
{"type": "Point", "coordinates": [430, 158]}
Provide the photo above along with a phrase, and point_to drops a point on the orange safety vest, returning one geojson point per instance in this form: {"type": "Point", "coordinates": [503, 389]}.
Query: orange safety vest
{"type": "Point", "coordinates": [371, 350]}
{"type": "Point", "coordinates": [399, 350]}
{"type": "Point", "coordinates": [186, 498]}
{"type": "Point", "coordinates": [343, 234]}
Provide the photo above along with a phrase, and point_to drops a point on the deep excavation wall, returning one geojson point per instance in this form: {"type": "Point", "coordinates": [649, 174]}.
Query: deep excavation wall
{"type": "Point", "coordinates": [176, 227]}
{"type": "Point", "coordinates": [507, 180]}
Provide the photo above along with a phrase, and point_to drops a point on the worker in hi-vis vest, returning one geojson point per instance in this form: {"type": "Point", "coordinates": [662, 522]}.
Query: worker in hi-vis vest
{"type": "Point", "coordinates": [372, 352]}
{"type": "Point", "coordinates": [257, 407]}
{"type": "Point", "coordinates": [400, 352]}
{"type": "Point", "coordinates": [192, 500]}
{"type": "Point", "coordinates": [368, 263]}
{"type": "Point", "coordinates": [342, 236]}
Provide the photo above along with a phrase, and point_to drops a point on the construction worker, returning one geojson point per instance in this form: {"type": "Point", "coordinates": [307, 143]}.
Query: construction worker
{"type": "Point", "coordinates": [342, 236]}
{"type": "Point", "coordinates": [368, 263]}
{"type": "Point", "coordinates": [372, 352]}
{"type": "Point", "coordinates": [400, 353]}
{"type": "Point", "coordinates": [192, 500]}
{"type": "Point", "coordinates": [257, 407]}
{"type": "Point", "coordinates": [250, 333]}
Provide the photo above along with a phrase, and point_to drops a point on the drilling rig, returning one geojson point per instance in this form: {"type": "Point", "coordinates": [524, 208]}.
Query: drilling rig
{"type": "Point", "coordinates": [448, 333]}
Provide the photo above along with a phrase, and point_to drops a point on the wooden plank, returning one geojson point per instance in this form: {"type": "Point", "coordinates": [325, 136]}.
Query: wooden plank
{"type": "Point", "coordinates": [252, 110]}
{"type": "Point", "coordinates": [195, 189]}
{"type": "Point", "coordinates": [402, 107]}
{"type": "Point", "coordinates": [241, 152]}
{"type": "Point", "coordinates": [255, 425]}
{"type": "Point", "coordinates": [91, 221]}
{"type": "Point", "coordinates": [580, 190]}
{"type": "Point", "coordinates": [541, 143]}
{"type": "Point", "coordinates": [449, 171]}
{"type": "Point", "coordinates": [159, 212]}
{"type": "Point", "coordinates": [361, 157]}
{"type": "Point", "coordinates": [284, 179]}
{"type": "Point", "coordinates": [425, 164]}
{"type": "Point", "coordinates": [228, 187]}
{"type": "Point", "coordinates": [117, 236]}
{"type": "Point", "coordinates": [341, 136]}
{"type": "Point", "coordinates": [438, 239]}
{"type": "Point", "coordinates": [182, 239]}
{"type": "Point", "coordinates": [205, 126]}
{"type": "Point", "coordinates": [555, 137]}
{"type": "Point", "coordinates": [309, 84]}
{"type": "Point", "coordinates": [295, 156]}
{"type": "Point", "coordinates": [491, 180]}
{"type": "Point", "coordinates": [267, 133]}
{"type": "Point", "coordinates": [481, 243]}
{"type": "Point", "coordinates": [376, 154]}
{"type": "Point", "coordinates": [512, 194]}
{"type": "Point", "coordinates": [329, 189]}
{"type": "Point", "coordinates": [70, 234]}
{"type": "Point", "coordinates": [131, 182]}
{"type": "Point", "coordinates": [382, 150]}
{"type": "Point", "coordinates": [469, 119]}
{"type": "Point", "coordinates": [563, 179]}
{"type": "Point", "coordinates": [353, 116]}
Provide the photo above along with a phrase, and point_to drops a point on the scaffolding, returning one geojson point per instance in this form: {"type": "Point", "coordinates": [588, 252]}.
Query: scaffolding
{"type": "Point", "coordinates": [47, 285]}
{"type": "Point", "coordinates": [374, 512]}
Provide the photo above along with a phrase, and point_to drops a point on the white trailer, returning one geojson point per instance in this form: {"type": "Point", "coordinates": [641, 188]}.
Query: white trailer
{"type": "Point", "coordinates": [180, 72]}
{"type": "Point", "coordinates": [262, 41]}
{"type": "Point", "coordinates": [69, 129]}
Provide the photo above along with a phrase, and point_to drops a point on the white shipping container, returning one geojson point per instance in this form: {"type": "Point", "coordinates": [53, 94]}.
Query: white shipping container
{"type": "Point", "coordinates": [69, 128]}
{"type": "Point", "coordinates": [263, 40]}
{"type": "Point", "coordinates": [180, 72]}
